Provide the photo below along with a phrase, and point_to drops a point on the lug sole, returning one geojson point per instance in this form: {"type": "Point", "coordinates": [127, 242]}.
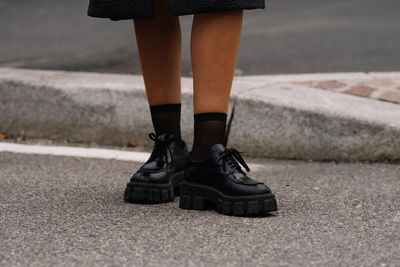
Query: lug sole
{"type": "Point", "coordinates": [201, 197]}
{"type": "Point", "coordinates": [136, 192]}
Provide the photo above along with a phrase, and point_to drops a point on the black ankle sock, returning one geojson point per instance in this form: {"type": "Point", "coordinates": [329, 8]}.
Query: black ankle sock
{"type": "Point", "coordinates": [166, 118]}
{"type": "Point", "coordinates": [209, 129]}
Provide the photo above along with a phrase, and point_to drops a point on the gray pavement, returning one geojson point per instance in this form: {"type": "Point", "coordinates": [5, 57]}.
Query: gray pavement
{"type": "Point", "coordinates": [287, 37]}
{"type": "Point", "coordinates": [64, 211]}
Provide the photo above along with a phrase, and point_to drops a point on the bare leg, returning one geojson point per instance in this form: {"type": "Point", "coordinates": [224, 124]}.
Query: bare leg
{"type": "Point", "coordinates": [214, 46]}
{"type": "Point", "coordinates": [215, 41]}
{"type": "Point", "coordinates": [159, 45]}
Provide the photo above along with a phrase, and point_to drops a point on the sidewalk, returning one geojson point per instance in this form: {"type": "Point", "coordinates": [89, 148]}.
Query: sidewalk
{"type": "Point", "coordinates": [310, 116]}
{"type": "Point", "coordinates": [380, 86]}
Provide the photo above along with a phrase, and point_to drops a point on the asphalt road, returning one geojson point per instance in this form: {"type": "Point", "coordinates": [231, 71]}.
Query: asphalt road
{"type": "Point", "coordinates": [301, 36]}
{"type": "Point", "coordinates": [64, 211]}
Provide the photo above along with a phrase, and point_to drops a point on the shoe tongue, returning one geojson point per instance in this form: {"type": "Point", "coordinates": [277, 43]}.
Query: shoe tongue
{"type": "Point", "coordinates": [164, 136]}
{"type": "Point", "coordinates": [217, 147]}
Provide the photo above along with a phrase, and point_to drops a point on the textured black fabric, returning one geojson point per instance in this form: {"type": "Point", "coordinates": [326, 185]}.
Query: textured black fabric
{"type": "Point", "coordinates": [131, 9]}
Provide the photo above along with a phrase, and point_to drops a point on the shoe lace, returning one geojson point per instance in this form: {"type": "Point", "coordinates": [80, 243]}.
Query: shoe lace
{"type": "Point", "coordinates": [233, 158]}
{"type": "Point", "coordinates": [160, 145]}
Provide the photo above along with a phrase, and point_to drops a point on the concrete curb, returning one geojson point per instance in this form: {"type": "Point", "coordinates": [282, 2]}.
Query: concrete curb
{"type": "Point", "coordinates": [272, 116]}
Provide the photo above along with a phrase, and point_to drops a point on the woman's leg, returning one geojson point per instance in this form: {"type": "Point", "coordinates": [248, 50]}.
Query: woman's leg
{"type": "Point", "coordinates": [159, 46]}
{"type": "Point", "coordinates": [213, 177]}
{"type": "Point", "coordinates": [215, 41]}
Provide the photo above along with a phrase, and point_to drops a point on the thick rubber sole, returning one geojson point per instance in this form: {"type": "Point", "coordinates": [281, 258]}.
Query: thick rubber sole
{"type": "Point", "coordinates": [154, 193]}
{"type": "Point", "coordinates": [201, 197]}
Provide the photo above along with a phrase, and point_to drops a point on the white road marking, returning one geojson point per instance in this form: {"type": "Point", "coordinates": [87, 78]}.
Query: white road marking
{"type": "Point", "coordinates": [80, 152]}
{"type": "Point", "coordinates": [83, 152]}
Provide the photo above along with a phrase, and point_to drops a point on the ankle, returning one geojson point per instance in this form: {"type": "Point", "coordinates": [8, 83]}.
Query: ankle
{"type": "Point", "coordinates": [198, 158]}
{"type": "Point", "coordinates": [166, 118]}
{"type": "Point", "coordinates": [209, 129]}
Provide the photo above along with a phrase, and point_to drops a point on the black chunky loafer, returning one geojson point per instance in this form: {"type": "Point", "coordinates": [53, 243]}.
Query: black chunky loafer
{"type": "Point", "coordinates": [159, 178]}
{"type": "Point", "coordinates": [219, 183]}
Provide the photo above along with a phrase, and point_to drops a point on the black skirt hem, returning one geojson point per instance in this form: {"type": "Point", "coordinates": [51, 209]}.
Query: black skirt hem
{"type": "Point", "coordinates": [178, 8]}
{"type": "Point", "coordinates": [258, 4]}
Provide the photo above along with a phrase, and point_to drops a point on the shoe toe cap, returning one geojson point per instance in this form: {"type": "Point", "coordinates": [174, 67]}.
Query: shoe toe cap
{"type": "Point", "coordinates": [150, 177]}
{"type": "Point", "coordinates": [262, 189]}
{"type": "Point", "coordinates": [137, 177]}
{"type": "Point", "coordinates": [254, 189]}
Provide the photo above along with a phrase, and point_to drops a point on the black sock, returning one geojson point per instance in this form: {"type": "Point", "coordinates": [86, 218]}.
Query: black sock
{"type": "Point", "coordinates": [166, 118]}
{"type": "Point", "coordinates": [209, 129]}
